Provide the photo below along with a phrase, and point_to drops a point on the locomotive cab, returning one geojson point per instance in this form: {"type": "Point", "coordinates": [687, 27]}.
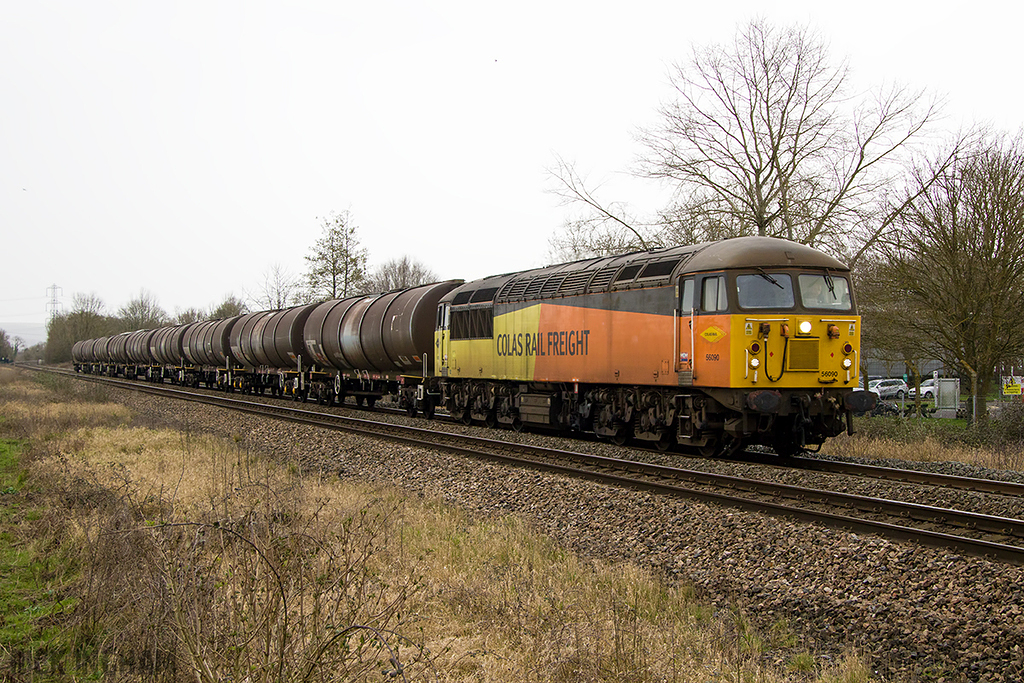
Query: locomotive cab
{"type": "Point", "coordinates": [776, 350]}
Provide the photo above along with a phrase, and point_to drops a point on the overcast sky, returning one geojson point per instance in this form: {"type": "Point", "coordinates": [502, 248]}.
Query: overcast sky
{"type": "Point", "coordinates": [185, 148]}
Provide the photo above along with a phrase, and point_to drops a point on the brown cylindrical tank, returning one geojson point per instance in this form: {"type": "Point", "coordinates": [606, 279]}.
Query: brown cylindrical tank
{"type": "Point", "coordinates": [322, 333]}
{"type": "Point", "coordinates": [117, 347]}
{"type": "Point", "coordinates": [166, 345]}
{"type": "Point", "coordinates": [351, 342]}
{"type": "Point", "coordinates": [99, 350]}
{"type": "Point", "coordinates": [191, 343]}
{"type": "Point", "coordinates": [408, 332]}
{"type": "Point", "coordinates": [217, 342]}
{"type": "Point", "coordinates": [371, 333]}
{"type": "Point", "coordinates": [280, 344]}
{"type": "Point", "coordinates": [242, 336]}
{"type": "Point", "coordinates": [259, 329]}
{"type": "Point", "coordinates": [155, 341]}
{"type": "Point", "coordinates": [77, 353]}
{"type": "Point", "coordinates": [138, 347]}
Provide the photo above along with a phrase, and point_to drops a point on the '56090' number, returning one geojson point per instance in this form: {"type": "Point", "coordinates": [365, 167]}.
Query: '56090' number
{"type": "Point", "coordinates": [711, 356]}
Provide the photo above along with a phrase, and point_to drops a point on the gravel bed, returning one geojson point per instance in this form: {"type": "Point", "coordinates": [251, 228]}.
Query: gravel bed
{"type": "Point", "coordinates": [918, 613]}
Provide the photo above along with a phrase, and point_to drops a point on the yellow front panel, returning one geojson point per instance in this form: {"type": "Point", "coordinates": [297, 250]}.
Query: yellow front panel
{"type": "Point", "coordinates": [810, 360]}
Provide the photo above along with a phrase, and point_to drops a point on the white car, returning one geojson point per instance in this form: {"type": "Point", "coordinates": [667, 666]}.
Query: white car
{"type": "Point", "coordinates": [888, 388]}
{"type": "Point", "coordinates": [928, 389]}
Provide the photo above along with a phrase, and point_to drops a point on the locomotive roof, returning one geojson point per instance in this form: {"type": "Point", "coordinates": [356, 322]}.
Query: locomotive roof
{"type": "Point", "coordinates": [640, 269]}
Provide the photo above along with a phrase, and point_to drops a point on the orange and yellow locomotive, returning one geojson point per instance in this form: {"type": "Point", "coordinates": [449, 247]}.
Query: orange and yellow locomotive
{"type": "Point", "coordinates": [749, 340]}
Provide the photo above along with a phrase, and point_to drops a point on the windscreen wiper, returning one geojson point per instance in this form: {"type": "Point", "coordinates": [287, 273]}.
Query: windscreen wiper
{"type": "Point", "coordinates": [830, 284]}
{"type": "Point", "coordinates": [769, 278]}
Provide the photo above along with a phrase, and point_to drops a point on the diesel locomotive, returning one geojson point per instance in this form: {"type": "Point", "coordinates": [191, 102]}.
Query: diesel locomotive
{"type": "Point", "coordinates": [750, 340]}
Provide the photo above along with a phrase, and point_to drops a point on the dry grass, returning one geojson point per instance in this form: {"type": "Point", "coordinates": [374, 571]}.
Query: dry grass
{"type": "Point", "coordinates": [931, 440]}
{"type": "Point", "coordinates": [201, 560]}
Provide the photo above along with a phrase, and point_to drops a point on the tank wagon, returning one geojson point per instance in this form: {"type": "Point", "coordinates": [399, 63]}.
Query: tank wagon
{"type": "Point", "coordinates": [750, 340]}
{"type": "Point", "coordinates": [364, 346]}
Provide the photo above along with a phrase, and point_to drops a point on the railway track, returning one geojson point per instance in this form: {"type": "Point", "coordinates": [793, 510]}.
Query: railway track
{"type": "Point", "coordinates": [972, 533]}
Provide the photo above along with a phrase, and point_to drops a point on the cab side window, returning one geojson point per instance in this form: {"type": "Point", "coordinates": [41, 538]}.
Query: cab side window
{"type": "Point", "coordinates": [686, 305]}
{"type": "Point", "coordinates": [713, 295]}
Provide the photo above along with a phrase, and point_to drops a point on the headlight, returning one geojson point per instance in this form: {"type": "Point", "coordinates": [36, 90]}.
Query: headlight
{"type": "Point", "coordinates": [755, 363]}
{"type": "Point", "coordinates": [805, 327]}
{"type": "Point", "coordinates": [847, 364]}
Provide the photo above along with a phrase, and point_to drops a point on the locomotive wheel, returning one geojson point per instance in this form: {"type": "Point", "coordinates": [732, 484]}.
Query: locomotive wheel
{"type": "Point", "coordinates": [730, 446]}
{"type": "Point", "coordinates": [428, 408]}
{"type": "Point", "coordinates": [491, 420]}
{"type": "Point", "coordinates": [467, 417]}
{"type": "Point", "coordinates": [411, 409]}
{"type": "Point", "coordinates": [517, 424]}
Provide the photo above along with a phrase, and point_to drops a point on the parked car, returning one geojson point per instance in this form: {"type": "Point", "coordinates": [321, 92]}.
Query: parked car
{"type": "Point", "coordinates": [928, 389]}
{"type": "Point", "coordinates": [888, 388]}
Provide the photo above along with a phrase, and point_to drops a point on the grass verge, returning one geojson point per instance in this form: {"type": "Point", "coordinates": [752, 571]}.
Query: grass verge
{"type": "Point", "coordinates": [164, 555]}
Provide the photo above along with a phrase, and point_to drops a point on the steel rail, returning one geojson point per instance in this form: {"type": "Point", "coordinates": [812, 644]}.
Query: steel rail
{"type": "Point", "coordinates": [1008, 488]}
{"type": "Point", "coordinates": [660, 478]}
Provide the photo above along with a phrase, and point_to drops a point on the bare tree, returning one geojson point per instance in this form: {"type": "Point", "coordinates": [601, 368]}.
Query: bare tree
{"type": "Point", "coordinates": [601, 229]}
{"type": "Point", "coordinates": [278, 289]}
{"type": "Point", "coordinates": [958, 260]}
{"type": "Point", "coordinates": [85, 321]}
{"type": "Point", "coordinates": [141, 313]}
{"type": "Point", "coordinates": [767, 131]}
{"type": "Point", "coordinates": [229, 308]}
{"type": "Point", "coordinates": [87, 303]}
{"type": "Point", "coordinates": [188, 315]}
{"type": "Point", "coordinates": [336, 264]}
{"type": "Point", "coordinates": [400, 273]}
{"type": "Point", "coordinates": [764, 138]}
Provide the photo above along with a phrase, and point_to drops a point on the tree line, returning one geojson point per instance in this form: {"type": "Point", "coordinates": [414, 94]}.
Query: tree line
{"type": "Point", "coordinates": [336, 268]}
{"type": "Point", "coordinates": [765, 136]}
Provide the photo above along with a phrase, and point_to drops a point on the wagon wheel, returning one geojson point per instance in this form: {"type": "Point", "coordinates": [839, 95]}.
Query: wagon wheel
{"type": "Point", "coordinates": [710, 449]}
{"type": "Point", "coordinates": [665, 442]}
{"type": "Point", "coordinates": [428, 408]}
{"type": "Point", "coordinates": [785, 448]}
{"type": "Point", "coordinates": [411, 408]}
